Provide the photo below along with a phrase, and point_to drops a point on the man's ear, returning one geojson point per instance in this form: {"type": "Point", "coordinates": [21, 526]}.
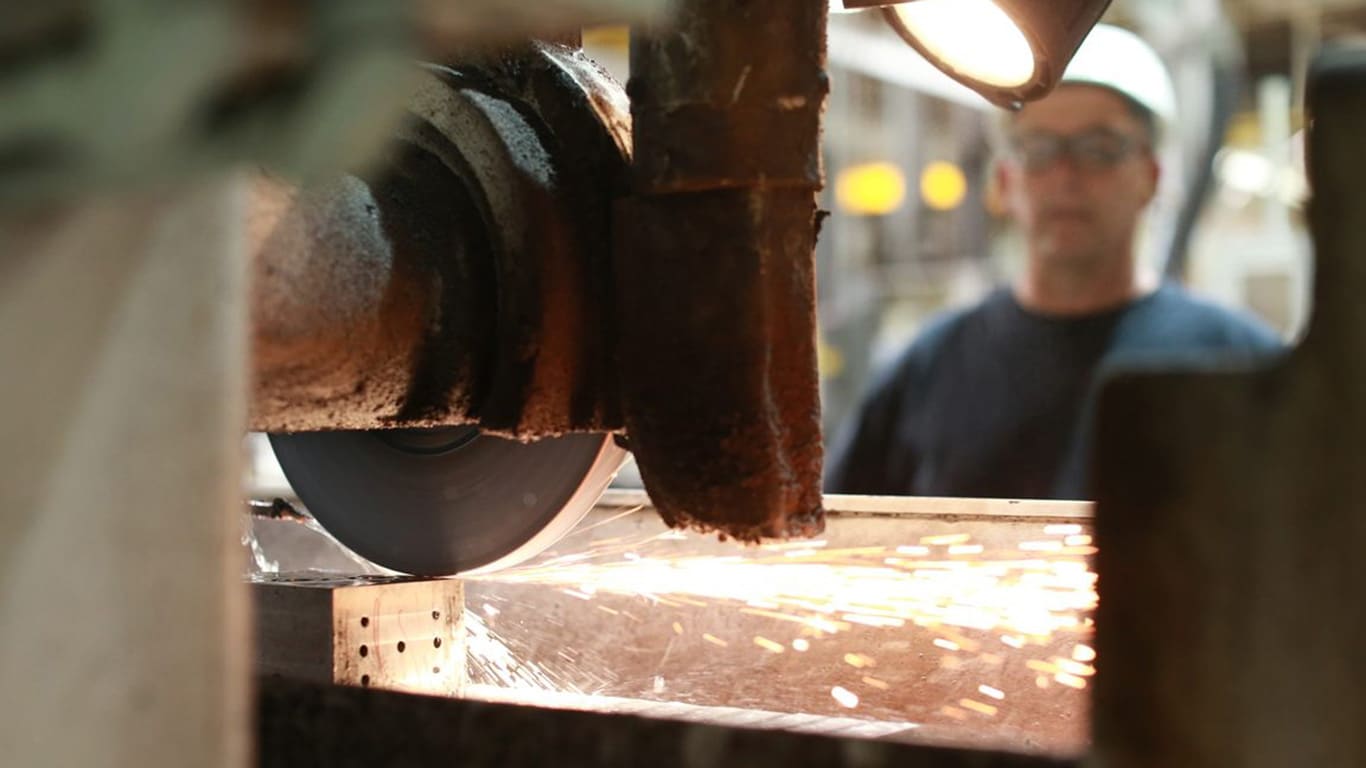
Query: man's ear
{"type": "Point", "coordinates": [1154, 178]}
{"type": "Point", "coordinates": [999, 189]}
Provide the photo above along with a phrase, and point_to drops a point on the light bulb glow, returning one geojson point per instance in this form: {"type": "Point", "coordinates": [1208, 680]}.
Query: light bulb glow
{"type": "Point", "coordinates": [973, 38]}
{"type": "Point", "coordinates": [943, 187]}
{"type": "Point", "coordinates": [871, 189]}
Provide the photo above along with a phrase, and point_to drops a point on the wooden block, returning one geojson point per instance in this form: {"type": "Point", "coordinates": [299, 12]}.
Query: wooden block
{"type": "Point", "coordinates": [383, 632]}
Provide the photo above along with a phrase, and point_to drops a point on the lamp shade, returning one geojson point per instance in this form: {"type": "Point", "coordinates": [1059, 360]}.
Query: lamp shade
{"type": "Point", "coordinates": [1009, 51]}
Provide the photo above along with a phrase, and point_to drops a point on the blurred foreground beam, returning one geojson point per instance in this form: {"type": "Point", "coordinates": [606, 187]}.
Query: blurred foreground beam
{"type": "Point", "coordinates": [122, 336]}
{"type": "Point", "coordinates": [1231, 519]}
{"type": "Point", "coordinates": [486, 20]}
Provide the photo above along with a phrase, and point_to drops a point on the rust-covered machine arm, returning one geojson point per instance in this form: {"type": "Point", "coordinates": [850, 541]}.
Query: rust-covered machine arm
{"type": "Point", "coordinates": [715, 265]}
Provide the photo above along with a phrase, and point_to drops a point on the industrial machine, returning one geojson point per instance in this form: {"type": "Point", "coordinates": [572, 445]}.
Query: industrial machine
{"type": "Point", "coordinates": [528, 274]}
{"type": "Point", "coordinates": [536, 255]}
{"type": "Point", "coordinates": [446, 310]}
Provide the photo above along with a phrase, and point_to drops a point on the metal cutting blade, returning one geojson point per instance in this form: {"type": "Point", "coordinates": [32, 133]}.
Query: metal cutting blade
{"type": "Point", "coordinates": [437, 502]}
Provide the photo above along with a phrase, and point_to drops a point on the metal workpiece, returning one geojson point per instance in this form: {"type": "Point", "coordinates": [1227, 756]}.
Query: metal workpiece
{"type": "Point", "coordinates": [715, 255]}
{"type": "Point", "coordinates": [960, 622]}
{"type": "Point", "coordinates": [311, 724]}
{"type": "Point", "coordinates": [367, 631]}
{"type": "Point", "coordinates": [925, 621]}
{"type": "Point", "coordinates": [464, 279]}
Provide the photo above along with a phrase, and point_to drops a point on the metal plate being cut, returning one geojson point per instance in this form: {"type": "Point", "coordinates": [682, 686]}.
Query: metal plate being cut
{"type": "Point", "coordinates": [436, 502]}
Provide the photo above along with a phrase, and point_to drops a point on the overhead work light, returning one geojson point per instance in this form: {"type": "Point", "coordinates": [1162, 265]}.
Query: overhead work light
{"type": "Point", "coordinates": [1010, 51]}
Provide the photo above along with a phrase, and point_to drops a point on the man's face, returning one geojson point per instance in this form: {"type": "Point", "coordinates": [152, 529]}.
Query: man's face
{"type": "Point", "coordinates": [1080, 173]}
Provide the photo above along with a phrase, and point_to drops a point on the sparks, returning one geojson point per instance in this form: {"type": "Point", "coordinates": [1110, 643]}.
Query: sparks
{"type": "Point", "coordinates": [831, 589]}
{"type": "Point", "coordinates": [769, 645]}
{"type": "Point", "coordinates": [995, 693]}
{"type": "Point", "coordinates": [1071, 681]}
{"type": "Point", "coordinates": [949, 597]}
{"type": "Point", "coordinates": [978, 707]}
{"type": "Point", "coordinates": [846, 698]}
{"type": "Point", "coordinates": [858, 660]}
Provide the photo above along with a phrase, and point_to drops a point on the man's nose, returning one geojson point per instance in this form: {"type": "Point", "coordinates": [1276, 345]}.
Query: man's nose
{"type": "Point", "coordinates": [1063, 172]}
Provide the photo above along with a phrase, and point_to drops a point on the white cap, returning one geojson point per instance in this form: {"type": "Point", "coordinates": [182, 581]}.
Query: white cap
{"type": "Point", "coordinates": [1115, 58]}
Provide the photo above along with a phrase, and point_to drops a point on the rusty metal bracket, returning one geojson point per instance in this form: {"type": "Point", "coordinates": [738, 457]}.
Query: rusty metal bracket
{"type": "Point", "coordinates": [715, 266]}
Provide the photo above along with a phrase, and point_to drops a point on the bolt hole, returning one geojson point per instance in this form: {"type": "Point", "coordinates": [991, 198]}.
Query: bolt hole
{"type": "Point", "coordinates": [436, 670]}
{"type": "Point", "coordinates": [436, 615]}
{"type": "Point", "coordinates": [402, 646]}
{"type": "Point", "coordinates": [436, 642]}
{"type": "Point", "coordinates": [365, 680]}
{"type": "Point", "coordinates": [365, 621]}
{"type": "Point", "coordinates": [364, 651]}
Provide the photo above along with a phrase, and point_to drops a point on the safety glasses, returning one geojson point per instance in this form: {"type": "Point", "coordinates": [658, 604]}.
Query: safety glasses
{"type": "Point", "coordinates": [1095, 150]}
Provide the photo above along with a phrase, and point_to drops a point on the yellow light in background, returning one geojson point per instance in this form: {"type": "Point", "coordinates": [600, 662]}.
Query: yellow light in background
{"type": "Point", "coordinates": [829, 359]}
{"type": "Point", "coordinates": [974, 38]}
{"type": "Point", "coordinates": [870, 189]}
{"type": "Point", "coordinates": [943, 186]}
{"type": "Point", "coordinates": [614, 37]}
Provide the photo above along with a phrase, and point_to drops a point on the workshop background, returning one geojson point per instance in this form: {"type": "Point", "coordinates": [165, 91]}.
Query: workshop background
{"type": "Point", "coordinates": [914, 230]}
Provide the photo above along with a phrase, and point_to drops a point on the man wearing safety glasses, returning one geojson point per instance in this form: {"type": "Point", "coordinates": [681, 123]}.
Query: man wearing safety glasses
{"type": "Point", "coordinates": [996, 400]}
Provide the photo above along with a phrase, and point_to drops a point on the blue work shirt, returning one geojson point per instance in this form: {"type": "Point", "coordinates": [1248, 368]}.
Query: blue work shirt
{"type": "Point", "coordinates": [995, 401]}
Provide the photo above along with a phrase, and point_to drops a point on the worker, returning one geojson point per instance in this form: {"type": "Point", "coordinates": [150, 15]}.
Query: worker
{"type": "Point", "coordinates": [993, 401]}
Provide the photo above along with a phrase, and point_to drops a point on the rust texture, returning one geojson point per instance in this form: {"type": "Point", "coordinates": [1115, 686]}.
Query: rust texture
{"type": "Point", "coordinates": [1231, 519]}
{"type": "Point", "coordinates": [714, 263]}
{"type": "Point", "coordinates": [464, 281]}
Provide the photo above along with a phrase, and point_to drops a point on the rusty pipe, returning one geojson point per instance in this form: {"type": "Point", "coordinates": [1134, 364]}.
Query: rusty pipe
{"type": "Point", "coordinates": [716, 265]}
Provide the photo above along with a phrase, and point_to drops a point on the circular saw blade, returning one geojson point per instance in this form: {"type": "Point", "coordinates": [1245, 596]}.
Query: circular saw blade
{"type": "Point", "coordinates": [446, 501]}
